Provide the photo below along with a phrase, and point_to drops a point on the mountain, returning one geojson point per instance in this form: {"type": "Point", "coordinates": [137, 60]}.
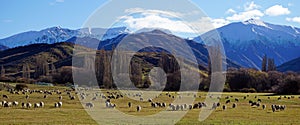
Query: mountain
{"type": "Point", "coordinates": [58, 34]}
{"type": "Point", "coordinates": [293, 65]}
{"type": "Point", "coordinates": [161, 38]}
{"type": "Point", "coordinates": [247, 42]}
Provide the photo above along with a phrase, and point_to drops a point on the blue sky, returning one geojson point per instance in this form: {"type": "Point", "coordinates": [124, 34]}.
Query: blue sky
{"type": "Point", "coordinates": [20, 15]}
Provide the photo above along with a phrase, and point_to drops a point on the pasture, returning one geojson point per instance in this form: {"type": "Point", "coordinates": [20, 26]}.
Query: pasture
{"type": "Point", "coordinates": [73, 112]}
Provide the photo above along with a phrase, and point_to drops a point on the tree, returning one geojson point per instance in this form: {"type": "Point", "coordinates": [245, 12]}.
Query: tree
{"type": "Point", "coordinates": [26, 71]}
{"type": "Point", "coordinates": [271, 65]}
{"type": "Point", "coordinates": [264, 64]}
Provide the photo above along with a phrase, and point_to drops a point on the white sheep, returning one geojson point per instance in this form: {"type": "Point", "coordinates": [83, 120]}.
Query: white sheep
{"type": "Point", "coordinates": [138, 108]}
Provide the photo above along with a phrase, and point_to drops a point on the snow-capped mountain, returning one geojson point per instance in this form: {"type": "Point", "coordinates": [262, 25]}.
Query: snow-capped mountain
{"type": "Point", "coordinates": [247, 42]}
{"type": "Point", "coordinates": [58, 34]}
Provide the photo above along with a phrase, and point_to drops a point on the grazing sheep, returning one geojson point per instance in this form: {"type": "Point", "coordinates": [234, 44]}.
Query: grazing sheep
{"type": "Point", "coordinates": [173, 107]}
{"type": "Point", "coordinates": [107, 104]}
{"type": "Point", "coordinates": [27, 97]}
{"type": "Point", "coordinates": [129, 104]}
{"type": "Point", "coordinates": [234, 105]}
{"type": "Point", "coordinates": [141, 99]}
{"type": "Point", "coordinates": [218, 104]}
{"type": "Point", "coordinates": [164, 104]}
{"type": "Point", "coordinates": [258, 100]}
{"type": "Point", "coordinates": [273, 108]}
{"type": "Point", "coordinates": [149, 100]}
{"type": "Point", "coordinates": [23, 105]}
{"type": "Point", "coordinates": [59, 104]}
{"type": "Point", "coordinates": [5, 96]}
{"type": "Point", "coordinates": [214, 106]}
{"type": "Point", "coordinates": [138, 108]}
{"type": "Point", "coordinates": [42, 104]}
{"type": "Point", "coordinates": [7, 104]}
{"type": "Point", "coordinates": [45, 96]}
{"type": "Point", "coordinates": [89, 105]}
{"type": "Point", "coordinates": [236, 99]}
{"type": "Point", "coordinates": [15, 103]}
{"type": "Point", "coordinates": [72, 97]}
{"type": "Point", "coordinates": [28, 105]}
{"type": "Point", "coordinates": [36, 105]}
{"type": "Point", "coordinates": [190, 106]}
{"type": "Point", "coordinates": [227, 101]}
{"type": "Point", "coordinates": [245, 97]}
{"type": "Point", "coordinates": [224, 107]}
{"type": "Point", "coordinates": [60, 97]}
{"type": "Point", "coordinates": [263, 107]}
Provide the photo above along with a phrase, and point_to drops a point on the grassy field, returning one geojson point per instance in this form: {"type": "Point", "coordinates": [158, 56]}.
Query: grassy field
{"type": "Point", "coordinates": [72, 112]}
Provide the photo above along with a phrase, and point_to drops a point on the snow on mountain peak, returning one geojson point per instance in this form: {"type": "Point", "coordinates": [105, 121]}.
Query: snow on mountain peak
{"type": "Point", "coordinates": [255, 22]}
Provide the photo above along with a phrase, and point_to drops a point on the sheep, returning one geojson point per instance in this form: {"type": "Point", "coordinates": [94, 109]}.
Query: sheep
{"type": "Point", "coordinates": [245, 97]}
{"type": "Point", "coordinates": [60, 97]}
{"type": "Point", "coordinates": [15, 103]}
{"type": "Point", "coordinates": [89, 105]}
{"type": "Point", "coordinates": [28, 105]}
{"type": "Point", "coordinates": [36, 105]}
{"type": "Point", "coordinates": [5, 96]}
{"type": "Point", "coordinates": [72, 97]}
{"type": "Point", "coordinates": [150, 100]}
{"type": "Point", "coordinates": [59, 104]}
{"type": "Point", "coordinates": [258, 100]}
{"type": "Point", "coordinates": [224, 107]}
{"type": "Point", "coordinates": [45, 96]}
{"type": "Point", "coordinates": [273, 108]}
{"type": "Point", "coordinates": [23, 105]}
{"type": "Point", "coordinates": [164, 104]}
{"type": "Point", "coordinates": [177, 107]}
{"type": "Point", "coordinates": [236, 99]}
{"type": "Point", "coordinates": [263, 107]}
{"type": "Point", "coordinates": [42, 104]}
{"type": "Point", "coordinates": [27, 97]}
{"type": "Point", "coordinates": [94, 98]}
{"type": "Point", "coordinates": [7, 104]}
{"type": "Point", "coordinates": [282, 107]}
{"type": "Point", "coordinates": [107, 104]}
{"type": "Point", "coordinates": [214, 106]}
{"type": "Point", "coordinates": [190, 106]}
{"type": "Point", "coordinates": [227, 101]}
{"type": "Point", "coordinates": [129, 104]}
{"type": "Point", "coordinates": [138, 108]}
{"type": "Point", "coordinates": [234, 105]}
{"type": "Point", "coordinates": [173, 107]}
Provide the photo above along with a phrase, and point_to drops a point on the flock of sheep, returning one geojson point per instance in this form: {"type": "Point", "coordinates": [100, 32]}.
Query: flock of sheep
{"type": "Point", "coordinates": [109, 96]}
{"type": "Point", "coordinates": [27, 105]}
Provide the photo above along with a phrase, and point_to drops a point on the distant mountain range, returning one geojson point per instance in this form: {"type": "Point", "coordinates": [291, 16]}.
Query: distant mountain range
{"type": "Point", "coordinates": [245, 43]}
{"type": "Point", "coordinates": [58, 34]}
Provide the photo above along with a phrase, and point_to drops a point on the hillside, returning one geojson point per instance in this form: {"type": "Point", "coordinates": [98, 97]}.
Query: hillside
{"type": "Point", "coordinates": [293, 65]}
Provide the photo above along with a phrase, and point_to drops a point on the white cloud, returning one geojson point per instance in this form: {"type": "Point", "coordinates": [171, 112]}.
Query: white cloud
{"type": "Point", "coordinates": [251, 6]}
{"type": "Point", "coordinates": [230, 11]}
{"type": "Point", "coordinates": [138, 18]}
{"type": "Point", "coordinates": [277, 10]}
{"type": "Point", "coordinates": [154, 20]}
{"type": "Point", "coordinates": [294, 19]}
{"type": "Point", "coordinates": [242, 16]}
